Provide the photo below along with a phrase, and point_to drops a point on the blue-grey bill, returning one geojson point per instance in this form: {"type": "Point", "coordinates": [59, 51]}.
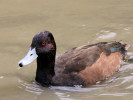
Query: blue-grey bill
{"type": "Point", "coordinates": [31, 56]}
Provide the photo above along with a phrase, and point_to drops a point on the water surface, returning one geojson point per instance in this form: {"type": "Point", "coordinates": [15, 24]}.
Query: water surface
{"type": "Point", "coordinates": [73, 23]}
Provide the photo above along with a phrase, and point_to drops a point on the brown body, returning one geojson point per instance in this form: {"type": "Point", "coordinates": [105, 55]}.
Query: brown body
{"type": "Point", "coordinates": [104, 67]}
{"type": "Point", "coordinates": [89, 64]}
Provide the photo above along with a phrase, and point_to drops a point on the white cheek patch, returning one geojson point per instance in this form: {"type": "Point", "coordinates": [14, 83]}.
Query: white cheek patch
{"type": "Point", "coordinates": [31, 56]}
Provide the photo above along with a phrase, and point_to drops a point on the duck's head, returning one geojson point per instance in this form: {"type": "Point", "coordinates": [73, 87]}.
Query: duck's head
{"type": "Point", "coordinates": [42, 44]}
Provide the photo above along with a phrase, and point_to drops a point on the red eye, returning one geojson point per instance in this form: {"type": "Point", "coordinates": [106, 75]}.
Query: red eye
{"type": "Point", "coordinates": [43, 43]}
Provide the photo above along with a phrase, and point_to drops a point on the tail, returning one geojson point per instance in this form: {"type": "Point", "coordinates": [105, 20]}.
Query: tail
{"type": "Point", "coordinates": [124, 45]}
{"type": "Point", "coordinates": [124, 48]}
{"type": "Point", "coordinates": [120, 46]}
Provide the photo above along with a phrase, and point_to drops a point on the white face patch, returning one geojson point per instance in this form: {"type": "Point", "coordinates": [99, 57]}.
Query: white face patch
{"type": "Point", "coordinates": [31, 56]}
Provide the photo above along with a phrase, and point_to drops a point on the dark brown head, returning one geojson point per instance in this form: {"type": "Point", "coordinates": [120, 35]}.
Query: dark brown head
{"type": "Point", "coordinates": [43, 43]}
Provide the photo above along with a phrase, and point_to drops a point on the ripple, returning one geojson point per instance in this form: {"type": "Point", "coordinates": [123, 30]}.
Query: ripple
{"type": "Point", "coordinates": [130, 53]}
{"type": "Point", "coordinates": [126, 68]}
{"type": "Point", "coordinates": [1, 77]}
{"type": "Point", "coordinates": [32, 88]}
{"type": "Point", "coordinates": [115, 94]}
{"type": "Point", "coordinates": [127, 28]}
{"type": "Point", "coordinates": [63, 96]}
{"type": "Point", "coordinates": [83, 25]}
{"type": "Point", "coordinates": [127, 79]}
{"type": "Point", "coordinates": [76, 89]}
{"type": "Point", "coordinates": [106, 34]}
{"type": "Point", "coordinates": [130, 87]}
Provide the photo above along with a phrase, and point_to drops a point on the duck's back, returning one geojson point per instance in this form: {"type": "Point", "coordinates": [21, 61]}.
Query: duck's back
{"type": "Point", "coordinates": [88, 64]}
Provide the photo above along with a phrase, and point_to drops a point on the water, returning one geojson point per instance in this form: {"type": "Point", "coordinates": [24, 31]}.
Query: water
{"type": "Point", "coordinates": [73, 23]}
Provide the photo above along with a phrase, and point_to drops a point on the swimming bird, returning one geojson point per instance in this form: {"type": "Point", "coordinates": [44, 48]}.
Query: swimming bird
{"type": "Point", "coordinates": [84, 65]}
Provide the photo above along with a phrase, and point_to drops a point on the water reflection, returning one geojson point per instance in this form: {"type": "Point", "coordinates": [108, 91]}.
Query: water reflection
{"type": "Point", "coordinates": [77, 89]}
{"type": "Point", "coordinates": [32, 88]}
{"type": "Point", "coordinates": [63, 96]}
{"type": "Point", "coordinates": [105, 34]}
{"type": "Point", "coordinates": [1, 77]}
{"type": "Point", "coordinates": [115, 94]}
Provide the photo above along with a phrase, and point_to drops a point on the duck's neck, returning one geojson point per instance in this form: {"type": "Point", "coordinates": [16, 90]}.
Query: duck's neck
{"type": "Point", "coordinates": [45, 68]}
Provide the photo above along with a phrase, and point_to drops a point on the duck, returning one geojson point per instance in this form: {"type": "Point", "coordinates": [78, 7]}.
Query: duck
{"type": "Point", "coordinates": [85, 65]}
